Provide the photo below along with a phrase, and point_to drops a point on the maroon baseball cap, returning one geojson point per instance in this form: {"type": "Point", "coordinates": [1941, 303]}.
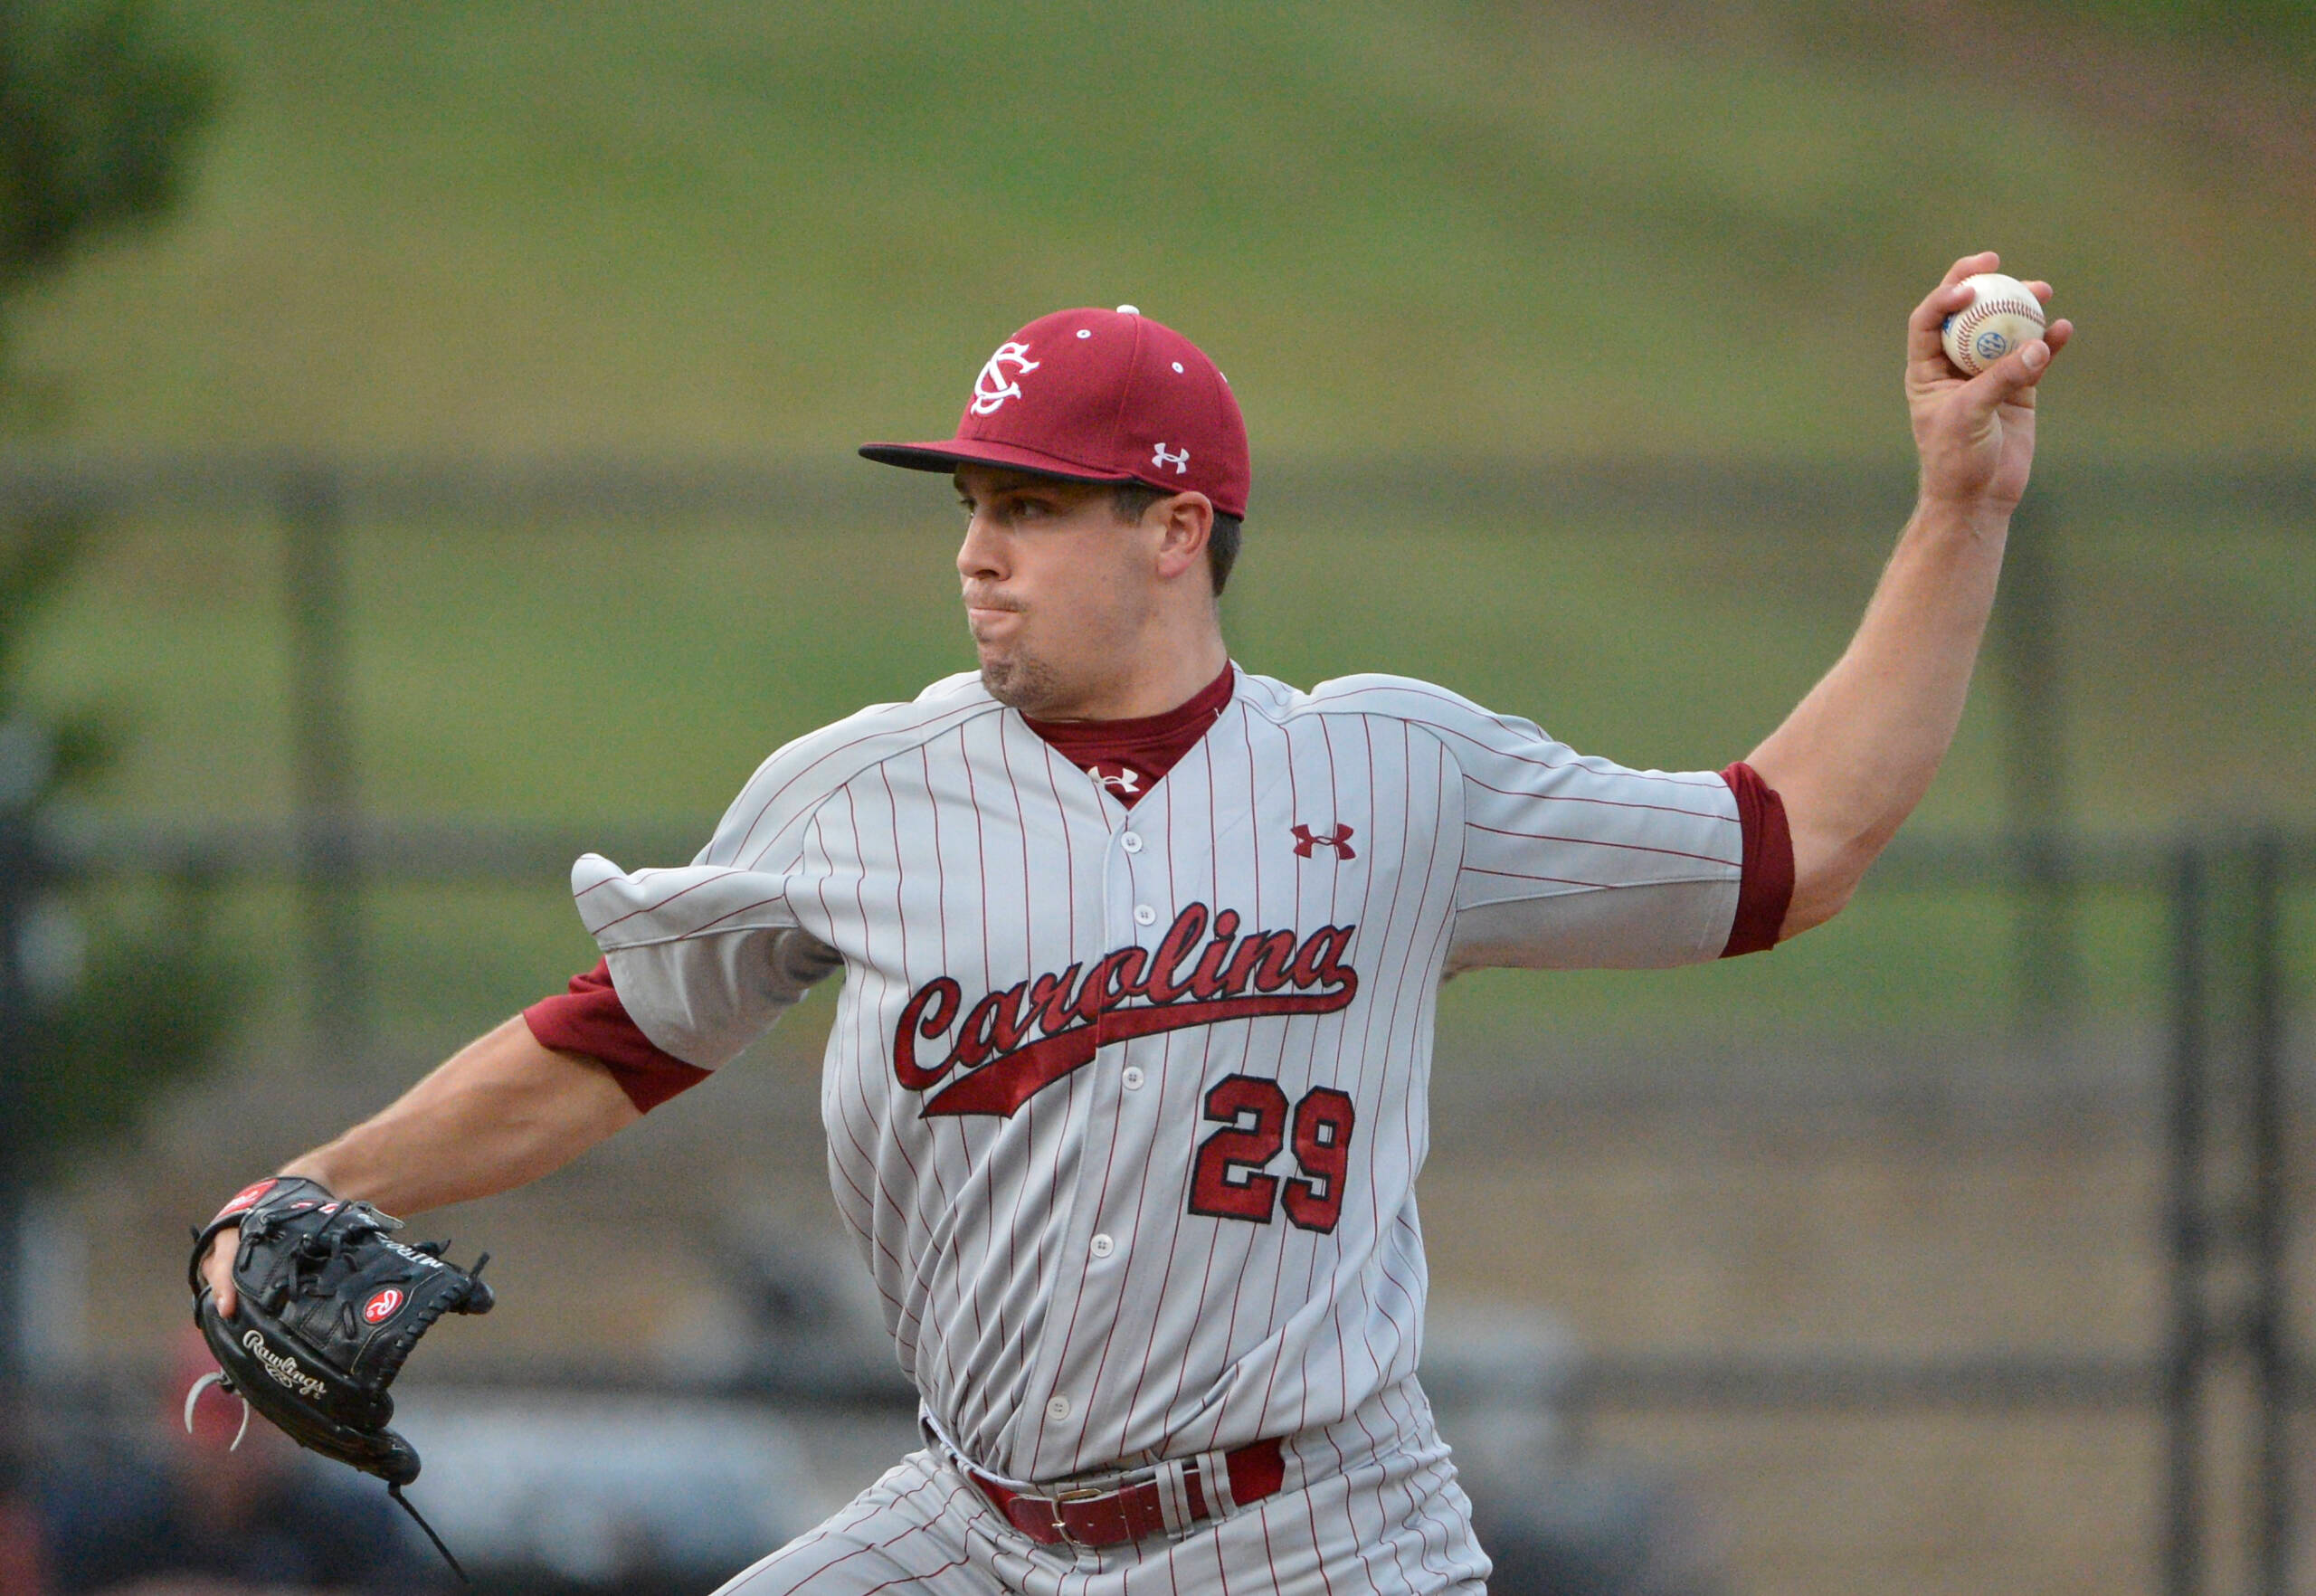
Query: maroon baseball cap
{"type": "Point", "coordinates": [1098, 396]}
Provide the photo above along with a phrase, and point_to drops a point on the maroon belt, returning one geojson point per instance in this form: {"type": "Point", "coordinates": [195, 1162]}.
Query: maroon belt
{"type": "Point", "coordinates": [1175, 1497]}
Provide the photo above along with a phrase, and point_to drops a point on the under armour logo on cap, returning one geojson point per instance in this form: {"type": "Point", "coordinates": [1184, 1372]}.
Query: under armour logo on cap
{"type": "Point", "coordinates": [1117, 397]}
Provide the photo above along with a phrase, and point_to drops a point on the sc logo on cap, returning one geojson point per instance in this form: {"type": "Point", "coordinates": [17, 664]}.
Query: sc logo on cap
{"type": "Point", "coordinates": [992, 388]}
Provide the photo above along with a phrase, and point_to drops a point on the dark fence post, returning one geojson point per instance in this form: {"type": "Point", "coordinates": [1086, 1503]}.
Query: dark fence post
{"type": "Point", "coordinates": [2185, 1348]}
{"type": "Point", "coordinates": [2266, 1327]}
{"type": "Point", "coordinates": [17, 1065]}
{"type": "Point", "coordinates": [25, 771]}
{"type": "Point", "coordinates": [313, 511]}
{"type": "Point", "coordinates": [2035, 777]}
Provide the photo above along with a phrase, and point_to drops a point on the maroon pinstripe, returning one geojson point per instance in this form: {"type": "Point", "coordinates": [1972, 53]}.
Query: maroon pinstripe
{"type": "Point", "coordinates": [1048, 1285]}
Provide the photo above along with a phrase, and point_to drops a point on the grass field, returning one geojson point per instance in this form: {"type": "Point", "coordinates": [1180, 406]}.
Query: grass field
{"type": "Point", "coordinates": [1409, 231]}
{"type": "Point", "coordinates": [1398, 226]}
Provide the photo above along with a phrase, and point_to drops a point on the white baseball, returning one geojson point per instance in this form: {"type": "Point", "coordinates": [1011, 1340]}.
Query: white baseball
{"type": "Point", "coordinates": [2004, 314]}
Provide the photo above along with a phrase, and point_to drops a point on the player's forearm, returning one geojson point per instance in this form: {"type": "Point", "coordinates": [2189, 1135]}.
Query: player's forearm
{"type": "Point", "coordinates": [1857, 755]}
{"type": "Point", "coordinates": [502, 1111]}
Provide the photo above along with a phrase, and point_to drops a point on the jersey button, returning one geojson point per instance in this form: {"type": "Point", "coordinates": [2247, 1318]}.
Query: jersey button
{"type": "Point", "coordinates": [1131, 1077]}
{"type": "Point", "coordinates": [1143, 915]}
{"type": "Point", "coordinates": [1057, 1410]}
{"type": "Point", "coordinates": [1103, 1247]}
{"type": "Point", "coordinates": [1131, 842]}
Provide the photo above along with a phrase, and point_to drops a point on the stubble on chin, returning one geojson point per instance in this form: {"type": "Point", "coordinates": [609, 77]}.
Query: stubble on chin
{"type": "Point", "coordinates": [1020, 683]}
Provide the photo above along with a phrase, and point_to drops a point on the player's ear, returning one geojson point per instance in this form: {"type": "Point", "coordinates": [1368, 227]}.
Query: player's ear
{"type": "Point", "coordinates": [1186, 522]}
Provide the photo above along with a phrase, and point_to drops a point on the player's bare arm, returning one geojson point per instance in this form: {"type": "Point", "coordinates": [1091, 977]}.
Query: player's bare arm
{"type": "Point", "coordinates": [502, 1111]}
{"type": "Point", "coordinates": [1856, 755]}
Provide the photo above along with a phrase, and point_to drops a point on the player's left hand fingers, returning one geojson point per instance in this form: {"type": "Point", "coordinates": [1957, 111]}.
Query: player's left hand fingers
{"type": "Point", "coordinates": [218, 1269]}
{"type": "Point", "coordinates": [1925, 356]}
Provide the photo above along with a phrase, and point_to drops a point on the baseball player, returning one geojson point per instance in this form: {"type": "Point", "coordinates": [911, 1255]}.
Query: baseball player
{"type": "Point", "coordinates": [1126, 1097]}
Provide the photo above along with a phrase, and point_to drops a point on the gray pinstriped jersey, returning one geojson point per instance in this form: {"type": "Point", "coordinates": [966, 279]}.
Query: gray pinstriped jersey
{"type": "Point", "coordinates": [1125, 1107]}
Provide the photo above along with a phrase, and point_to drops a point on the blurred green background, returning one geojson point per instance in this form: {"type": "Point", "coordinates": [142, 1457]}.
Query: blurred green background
{"type": "Point", "coordinates": [1415, 234]}
{"type": "Point", "coordinates": [1403, 228]}
{"type": "Point", "coordinates": [1465, 264]}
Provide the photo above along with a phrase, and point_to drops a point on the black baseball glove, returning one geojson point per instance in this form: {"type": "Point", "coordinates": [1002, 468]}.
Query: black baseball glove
{"type": "Point", "coordinates": [330, 1306]}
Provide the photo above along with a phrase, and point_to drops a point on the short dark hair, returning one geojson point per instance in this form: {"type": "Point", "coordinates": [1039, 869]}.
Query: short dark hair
{"type": "Point", "coordinates": [1129, 499]}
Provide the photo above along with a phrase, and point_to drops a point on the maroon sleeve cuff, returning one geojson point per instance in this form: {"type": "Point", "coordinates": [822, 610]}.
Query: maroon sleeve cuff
{"type": "Point", "coordinates": [1765, 890]}
{"type": "Point", "coordinates": [589, 1018]}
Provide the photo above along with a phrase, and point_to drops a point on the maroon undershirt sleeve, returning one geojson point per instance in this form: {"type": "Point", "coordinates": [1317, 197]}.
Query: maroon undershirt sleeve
{"type": "Point", "coordinates": [1765, 890]}
{"type": "Point", "coordinates": [589, 1018]}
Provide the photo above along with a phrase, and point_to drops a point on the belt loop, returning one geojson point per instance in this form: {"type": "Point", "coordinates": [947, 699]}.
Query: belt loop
{"type": "Point", "coordinates": [1175, 1508]}
{"type": "Point", "coordinates": [1214, 1478]}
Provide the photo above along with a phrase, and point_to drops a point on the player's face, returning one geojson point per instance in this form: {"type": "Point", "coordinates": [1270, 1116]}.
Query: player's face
{"type": "Point", "coordinates": [1060, 590]}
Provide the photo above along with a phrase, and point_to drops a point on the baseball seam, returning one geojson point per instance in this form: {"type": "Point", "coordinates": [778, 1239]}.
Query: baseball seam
{"type": "Point", "coordinates": [1965, 322]}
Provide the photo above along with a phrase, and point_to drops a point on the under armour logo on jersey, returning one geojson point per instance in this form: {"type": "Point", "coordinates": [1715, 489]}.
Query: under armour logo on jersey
{"type": "Point", "coordinates": [1180, 461]}
{"type": "Point", "coordinates": [1127, 779]}
{"type": "Point", "coordinates": [1305, 839]}
{"type": "Point", "coordinates": [993, 388]}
